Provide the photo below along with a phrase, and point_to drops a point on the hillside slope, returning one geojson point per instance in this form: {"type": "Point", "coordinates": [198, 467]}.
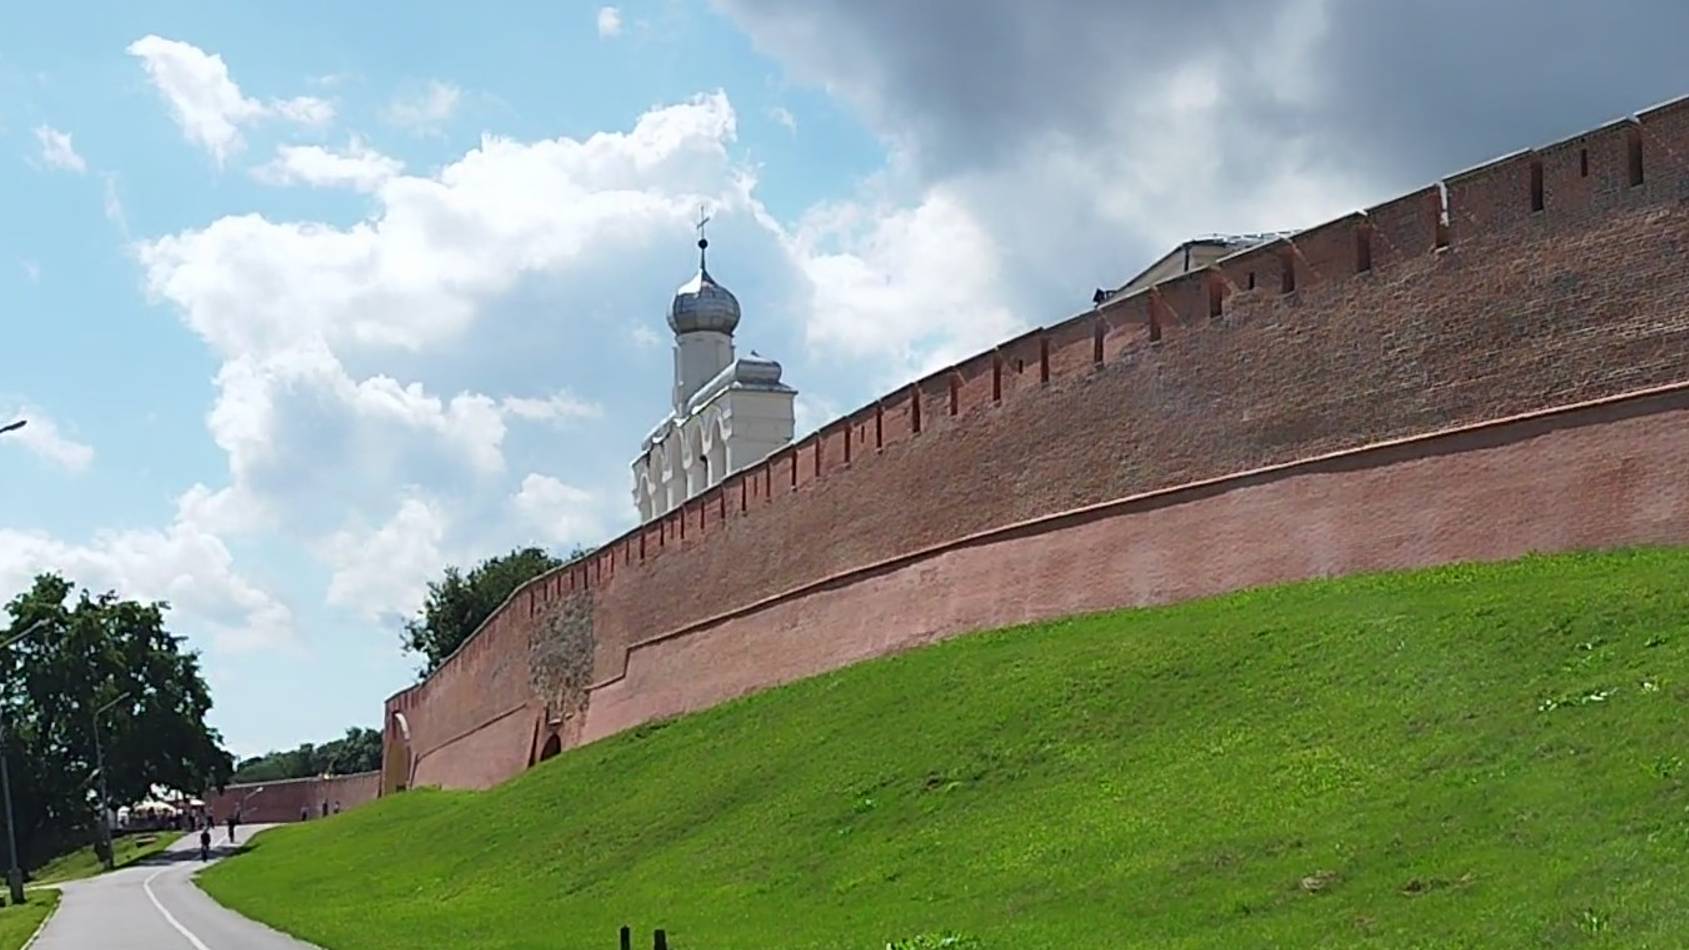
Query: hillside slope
{"type": "Point", "coordinates": [1474, 755]}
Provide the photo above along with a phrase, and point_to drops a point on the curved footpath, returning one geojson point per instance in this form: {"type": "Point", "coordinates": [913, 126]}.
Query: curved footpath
{"type": "Point", "coordinates": [154, 905]}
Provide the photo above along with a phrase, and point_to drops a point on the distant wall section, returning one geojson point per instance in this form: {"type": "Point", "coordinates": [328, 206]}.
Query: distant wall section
{"type": "Point", "coordinates": [289, 799]}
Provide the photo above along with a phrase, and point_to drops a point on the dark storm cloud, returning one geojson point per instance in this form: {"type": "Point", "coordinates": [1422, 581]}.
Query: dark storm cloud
{"type": "Point", "coordinates": [1425, 89]}
{"type": "Point", "coordinates": [1397, 91]}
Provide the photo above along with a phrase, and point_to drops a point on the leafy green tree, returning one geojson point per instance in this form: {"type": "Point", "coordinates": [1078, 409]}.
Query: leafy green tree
{"type": "Point", "coordinates": [358, 751]}
{"type": "Point", "coordinates": [459, 601]}
{"type": "Point", "coordinates": [89, 651]}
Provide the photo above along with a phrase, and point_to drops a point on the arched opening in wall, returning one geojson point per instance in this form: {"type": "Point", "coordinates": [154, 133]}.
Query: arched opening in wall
{"type": "Point", "coordinates": [553, 746]}
{"type": "Point", "coordinates": [396, 753]}
{"type": "Point", "coordinates": [715, 454]}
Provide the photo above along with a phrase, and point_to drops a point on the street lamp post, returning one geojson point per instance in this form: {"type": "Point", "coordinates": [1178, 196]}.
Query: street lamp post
{"type": "Point", "coordinates": [14, 873]}
{"type": "Point", "coordinates": [13, 426]}
{"type": "Point", "coordinates": [100, 766]}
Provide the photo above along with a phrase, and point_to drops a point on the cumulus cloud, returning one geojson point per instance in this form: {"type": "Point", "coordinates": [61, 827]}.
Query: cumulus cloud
{"type": "Point", "coordinates": [413, 274]}
{"type": "Point", "coordinates": [307, 443]}
{"type": "Point", "coordinates": [557, 512]}
{"type": "Point", "coordinates": [384, 572]}
{"type": "Point", "coordinates": [57, 150]}
{"type": "Point", "coordinates": [609, 22]}
{"type": "Point", "coordinates": [43, 438]}
{"type": "Point", "coordinates": [184, 565]}
{"type": "Point", "coordinates": [426, 111]}
{"type": "Point", "coordinates": [357, 167]}
{"type": "Point", "coordinates": [207, 103]}
{"type": "Point", "coordinates": [918, 287]}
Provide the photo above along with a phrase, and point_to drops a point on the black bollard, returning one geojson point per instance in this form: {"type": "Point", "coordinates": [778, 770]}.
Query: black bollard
{"type": "Point", "coordinates": [660, 941]}
{"type": "Point", "coordinates": [627, 938]}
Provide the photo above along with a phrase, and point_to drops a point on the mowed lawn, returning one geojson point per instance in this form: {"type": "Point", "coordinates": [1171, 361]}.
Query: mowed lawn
{"type": "Point", "coordinates": [1485, 756]}
{"type": "Point", "coordinates": [82, 862]}
{"type": "Point", "coordinates": [18, 924]}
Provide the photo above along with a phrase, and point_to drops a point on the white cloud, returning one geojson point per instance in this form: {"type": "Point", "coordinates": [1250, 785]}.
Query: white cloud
{"type": "Point", "coordinates": [42, 437]}
{"type": "Point", "coordinates": [296, 425]}
{"type": "Point", "coordinates": [560, 513]}
{"type": "Point", "coordinates": [384, 572]}
{"type": "Point", "coordinates": [873, 269]}
{"type": "Point", "coordinates": [184, 564]}
{"type": "Point", "coordinates": [644, 337]}
{"type": "Point", "coordinates": [57, 150]}
{"type": "Point", "coordinates": [609, 22]}
{"type": "Point", "coordinates": [31, 270]}
{"type": "Point", "coordinates": [784, 116]}
{"type": "Point", "coordinates": [305, 110]}
{"type": "Point", "coordinates": [207, 103]}
{"type": "Point", "coordinates": [415, 274]}
{"type": "Point", "coordinates": [558, 407]}
{"type": "Point", "coordinates": [426, 111]}
{"type": "Point", "coordinates": [357, 166]}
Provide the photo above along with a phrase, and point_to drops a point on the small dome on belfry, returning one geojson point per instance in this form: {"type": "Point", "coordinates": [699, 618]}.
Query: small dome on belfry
{"type": "Point", "coordinates": [703, 304]}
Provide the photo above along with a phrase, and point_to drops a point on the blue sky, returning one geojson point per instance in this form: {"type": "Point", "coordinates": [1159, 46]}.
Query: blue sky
{"type": "Point", "coordinates": [306, 301]}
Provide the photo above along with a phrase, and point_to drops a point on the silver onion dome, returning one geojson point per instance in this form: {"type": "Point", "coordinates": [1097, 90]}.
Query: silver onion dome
{"type": "Point", "coordinates": [703, 304]}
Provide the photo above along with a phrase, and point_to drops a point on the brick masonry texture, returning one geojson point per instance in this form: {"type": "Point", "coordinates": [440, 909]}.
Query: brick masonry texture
{"type": "Point", "coordinates": [1413, 318]}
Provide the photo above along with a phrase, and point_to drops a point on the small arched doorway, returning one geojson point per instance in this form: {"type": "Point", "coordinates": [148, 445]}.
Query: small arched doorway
{"type": "Point", "coordinates": [553, 745]}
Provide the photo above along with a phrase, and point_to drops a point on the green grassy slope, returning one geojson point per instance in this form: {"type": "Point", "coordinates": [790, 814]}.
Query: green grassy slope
{"type": "Point", "coordinates": [82, 862]}
{"type": "Point", "coordinates": [18, 924]}
{"type": "Point", "coordinates": [1477, 755]}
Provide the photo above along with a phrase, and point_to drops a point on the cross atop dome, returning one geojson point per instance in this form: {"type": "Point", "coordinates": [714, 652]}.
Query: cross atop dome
{"type": "Point", "coordinates": [703, 242]}
{"type": "Point", "coordinates": [701, 305]}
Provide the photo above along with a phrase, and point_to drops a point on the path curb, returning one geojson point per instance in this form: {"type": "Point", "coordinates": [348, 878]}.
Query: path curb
{"type": "Point", "coordinates": [44, 921]}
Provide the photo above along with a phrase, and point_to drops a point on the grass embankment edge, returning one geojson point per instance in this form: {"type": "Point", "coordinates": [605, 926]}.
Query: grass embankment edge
{"type": "Point", "coordinates": [10, 935]}
{"type": "Point", "coordinates": [80, 863]}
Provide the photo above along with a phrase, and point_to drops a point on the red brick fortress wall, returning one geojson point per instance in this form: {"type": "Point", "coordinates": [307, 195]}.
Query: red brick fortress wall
{"type": "Point", "coordinates": [275, 802]}
{"type": "Point", "coordinates": [1237, 425]}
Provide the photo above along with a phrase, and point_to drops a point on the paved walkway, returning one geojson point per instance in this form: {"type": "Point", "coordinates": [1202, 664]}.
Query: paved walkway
{"type": "Point", "coordinates": [154, 905]}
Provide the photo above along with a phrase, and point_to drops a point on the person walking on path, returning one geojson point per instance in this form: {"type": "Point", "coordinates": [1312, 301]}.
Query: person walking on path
{"type": "Point", "coordinates": [234, 819]}
{"type": "Point", "coordinates": [205, 844]}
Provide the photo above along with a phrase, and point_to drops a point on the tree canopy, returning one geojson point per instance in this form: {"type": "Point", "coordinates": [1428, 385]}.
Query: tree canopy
{"type": "Point", "coordinates": [459, 601]}
{"type": "Point", "coordinates": [90, 650]}
{"type": "Point", "coordinates": [358, 751]}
